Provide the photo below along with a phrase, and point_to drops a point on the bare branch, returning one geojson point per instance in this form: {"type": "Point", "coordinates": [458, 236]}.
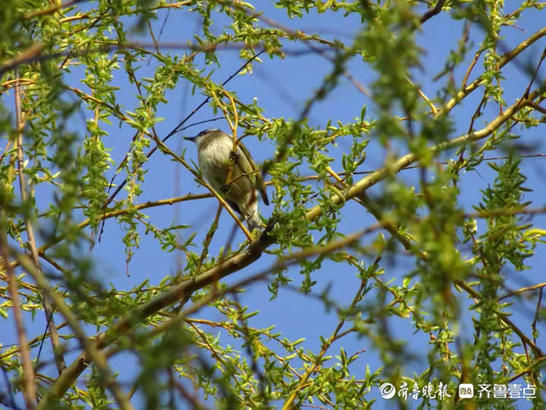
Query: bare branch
{"type": "Point", "coordinates": [433, 11]}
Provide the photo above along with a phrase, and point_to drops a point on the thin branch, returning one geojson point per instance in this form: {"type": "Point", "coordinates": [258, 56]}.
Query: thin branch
{"type": "Point", "coordinates": [431, 105]}
{"type": "Point", "coordinates": [184, 289]}
{"type": "Point", "coordinates": [190, 398]}
{"type": "Point", "coordinates": [403, 162]}
{"type": "Point", "coordinates": [433, 11]}
{"type": "Point", "coordinates": [537, 312]}
{"type": "Point", "coordinates": [538, 107]}
{"type": "Point", "coordinates": [360, 87]}
{"type": "Point", "coordinates": [33, 342]}
{"type": "Point", "coordinates": [29, 390]}
{"type": "Point", "coordinates": [491, 213]}
{"type": "Point", "coordinates": [181, 123]}
{"type": "Point", "coordinates": [51, 9]}
{"type": "Point", "coordinates": [257, 247]}
{"type": "Point", "coordinates": [532, 367]}
{"type": "Point", "coordinates": [148, 204]}
{"type": "Point", "coordinates": [33, 53]}
{"type": "Point", "coordinates": [470, 68]}
{"type": "Point", "coordinates": [504, 318]}
{"type": "Point", "coordinates": [92, 353]}
{"type": "Point", "coordinates": [9, 388]}
{"type": "Point", "coordinates": [292, 34]}
{"type": "Point", "coordinates": [289, 403]}
{"type": "Point", "coordinates": [509, 56]}
{"type": "Point", "coordinates": [48, 310]}
{"type": "Point", "coordinates": [28, 373]}
{"type": "Point", "coordinates": [208, 237]}
{"type": "Point", "coordinates": [30, 54]}
{"type": "Point", "coordinates": [522, 290]}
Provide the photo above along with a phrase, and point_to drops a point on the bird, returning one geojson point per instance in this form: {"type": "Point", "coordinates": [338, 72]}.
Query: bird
{"type": "Point", "coordinates": [216, 155]}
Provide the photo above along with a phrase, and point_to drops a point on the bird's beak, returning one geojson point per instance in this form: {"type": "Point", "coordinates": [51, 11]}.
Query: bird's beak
{"type": "Point", "coordinates": [192, 139]}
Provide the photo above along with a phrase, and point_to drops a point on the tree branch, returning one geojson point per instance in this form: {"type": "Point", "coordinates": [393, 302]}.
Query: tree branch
{"type": "Point", "coordinates": [401, 163]}
{"type": "Point", "coordinates": [29, 390]}
{"type": "Point", "coordinates": [433, 11]}
{"type": "Point", "coordinates": [48, 310]}
{"type": "Point", "coordinates": [509, 56]}
{"type": "Point", "coordinates": [257, 246]}
{"type": "Point", "coordinates": [92, 353]}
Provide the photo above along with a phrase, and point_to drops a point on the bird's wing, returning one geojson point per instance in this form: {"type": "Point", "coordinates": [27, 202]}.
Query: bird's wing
{"type": "Point", "coordinates": [257, 175]}
{"type": "Point", "coordinates": [234, 206]}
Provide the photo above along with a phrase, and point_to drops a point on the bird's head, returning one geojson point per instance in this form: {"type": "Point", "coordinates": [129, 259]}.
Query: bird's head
{"type": "Point", "coordinates": [205, 135]}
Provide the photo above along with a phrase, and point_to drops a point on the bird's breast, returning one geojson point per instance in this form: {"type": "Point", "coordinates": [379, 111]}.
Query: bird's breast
{"type": "Point", "coordinates": [215, 162]}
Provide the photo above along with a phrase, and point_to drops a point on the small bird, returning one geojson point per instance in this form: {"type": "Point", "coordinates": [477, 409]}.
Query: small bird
{"type": "Point", "coordinates": [216, 157]}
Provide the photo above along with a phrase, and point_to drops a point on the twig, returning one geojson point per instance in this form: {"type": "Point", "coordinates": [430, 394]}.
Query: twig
{"type": "Point", "coordinates": [433, 11]}
{"type": "Point", "coordinates": [48, 310]}
{"type": "Point", "coordinates": [208, 237]}
{"type": "Point", "coordinates": [431, 105]}
{"type": "Point", "coordinates": [505, 212]}
{"type": "Point", "coordinates": [178, 128]}
{"type": "Point", "coordinates": [470, 68]}
{"type": "Point", "coordinates": [360, 87]}
{"type": "Point", "coordinates": [537, 312]}
{"type": "Point", "coordinates": [33, 55]}
{"type": "Point", "coordinates": [538, 107]}
{"type": "Point", "coordinates": [51, 9]}
{"type": "Point", "coordinates": [504, 318]}
{"type": "Point", "coordinates": [34, 341]}
{"type": "Point", "coordinates": [257, 246]}
{"type": "Point", "coordinates": [521, 290]}
{"type": "Point", "coordinates": [401, 163]}
{"type": "Point", "coordinates": [289, 403]}
{"type": "Point", "coordinates": [190, 398]}
{"type": "Point", "coordinates": [92, 353]}
{"type": "Point", "coordinates": [509, 56]}
{"type": "Point", "coordinates": [533, 366]}
{"type": "Point", "coordinates": [29, 390]}
{"type": "Point", "coordinates": [9, 388]}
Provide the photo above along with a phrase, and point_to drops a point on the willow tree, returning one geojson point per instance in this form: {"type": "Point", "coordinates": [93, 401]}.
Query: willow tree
{"type": "Point", "coordinates": [403, 228]}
